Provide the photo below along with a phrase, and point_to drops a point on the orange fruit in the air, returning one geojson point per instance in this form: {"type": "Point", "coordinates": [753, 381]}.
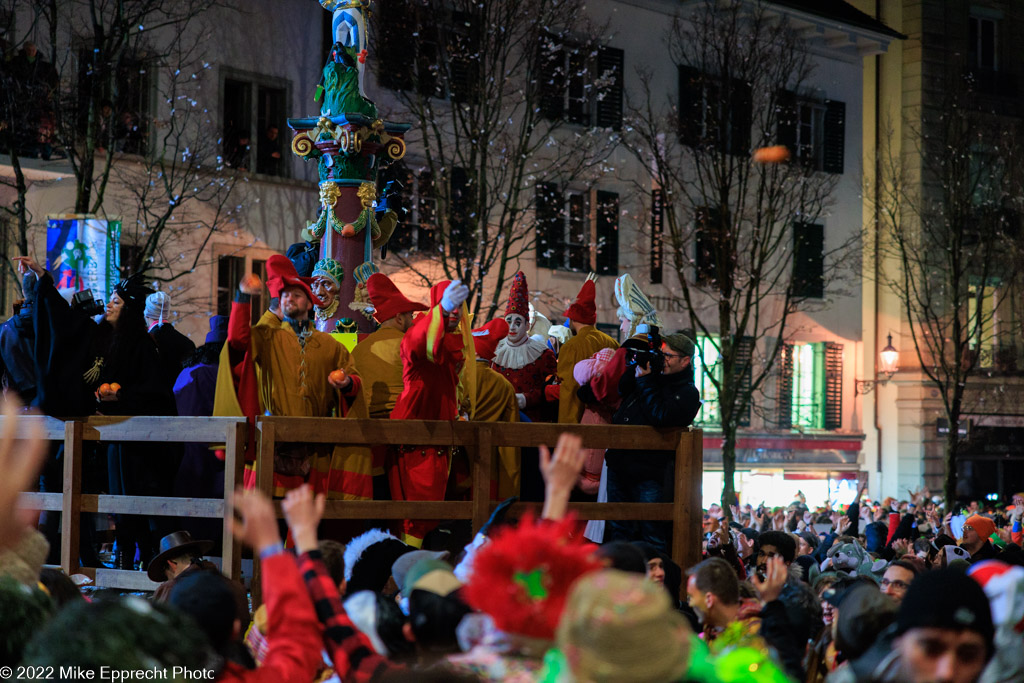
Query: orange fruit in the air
{"type": "Point", "coordinates": [336, 376]}
{"type": "Point", "coordinates": [771, 155]}
{"type": "Point", "coordinates": [104, 388]}
{"type": "Point", "coordinates": [114, 387]}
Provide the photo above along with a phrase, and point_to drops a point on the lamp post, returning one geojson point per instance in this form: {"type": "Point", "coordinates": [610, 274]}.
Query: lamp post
{"type": "Point", "coordinates": [888, 365]}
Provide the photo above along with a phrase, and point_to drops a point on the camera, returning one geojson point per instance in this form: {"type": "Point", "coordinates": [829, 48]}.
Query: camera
{"type": "Point", "coordinates": [645, 352]}
{"type": "Point", "coordinates": [85, 302]}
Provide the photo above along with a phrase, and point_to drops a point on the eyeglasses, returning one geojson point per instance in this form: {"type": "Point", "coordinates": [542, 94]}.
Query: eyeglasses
{"type": "Point", "coordinates": [672, 355]}
{"type": "Point", "coordinates": [898, 585]}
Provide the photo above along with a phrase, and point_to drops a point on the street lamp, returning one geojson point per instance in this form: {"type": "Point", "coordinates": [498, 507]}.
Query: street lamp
{"type": "Point", "coordinates": [888, 365]}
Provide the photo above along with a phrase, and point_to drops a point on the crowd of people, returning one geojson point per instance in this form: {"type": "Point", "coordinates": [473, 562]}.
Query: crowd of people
{"type": "Point", "coordinates": [891, 590]}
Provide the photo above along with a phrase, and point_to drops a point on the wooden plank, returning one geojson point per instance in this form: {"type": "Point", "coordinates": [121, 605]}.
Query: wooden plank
{"type": "Point", "coordinates": [31, 500]}
{"type": "Point", "coordinates": [71, 505]}
{"type": "Point", "coordinates": [234, 464]}
{"type": "Point", "coordinates": [265, 483]}
{"type": "Point", "coordinates": [399, 509]}
{"type": "Point", "coordinates": [174, 429]}
{"type": "Point", "coordinates": [51, 428]}
{"type": "Point", "coordinates": [686, 522]}
{"type": "Point", "coordinates": [480, 459]}
{"type": "Point", "coordinates": [209, 508]}
{"type": "Point", "coordinates": [404, 432]}
{"type": "Point", "coordinates": [124, 580]}
{"type": "Point", "coordinates": [625, 512]}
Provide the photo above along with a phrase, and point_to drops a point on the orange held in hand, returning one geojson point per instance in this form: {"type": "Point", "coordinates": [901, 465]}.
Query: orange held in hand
{"type": "Point", "coordinates": [114, 387]}
{"type": "Point", "coordinates": [251, 283]}
{"type": "Point", "coordinates": [104, 389]}
{"type": "Point", "coordinates": [772, 155]}
{"type": "Point", "coordinates": [336, 376]}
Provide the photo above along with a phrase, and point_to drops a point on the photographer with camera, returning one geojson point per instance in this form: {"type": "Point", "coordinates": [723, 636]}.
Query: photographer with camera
{"type": "Point", "coordinates": [657, 390]}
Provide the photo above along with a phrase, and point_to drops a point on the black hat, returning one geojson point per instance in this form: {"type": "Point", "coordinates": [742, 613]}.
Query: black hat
{"type": "Point", "coordinates": [175, 545]}
{"type": "Point", "coordinates": [133, 291]}
{"type": "Point", "coordinates": [865, 613]}
{"type": "Point", "coordinates": [369, 558]}
{"type": "Point", "coordinates": [945, 598]}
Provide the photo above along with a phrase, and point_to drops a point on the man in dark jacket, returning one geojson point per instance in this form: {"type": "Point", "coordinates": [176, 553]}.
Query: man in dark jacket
{"type": "Point", "coordinates": [16, 339]}
{"type": "Point", "coordinates": [658, 392]}
{"type": "Point", "coordinates": [174, 347]}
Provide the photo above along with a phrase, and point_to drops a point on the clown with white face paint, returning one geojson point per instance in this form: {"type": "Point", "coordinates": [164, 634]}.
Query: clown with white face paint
{"type": "Point", "coordinates": [525, 361]}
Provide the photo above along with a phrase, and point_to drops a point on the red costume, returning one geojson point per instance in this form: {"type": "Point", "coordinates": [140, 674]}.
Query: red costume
{"type": "Point", "coordinates": [432, 354]}
{"type": "Point", "coordinates": [529, 364]}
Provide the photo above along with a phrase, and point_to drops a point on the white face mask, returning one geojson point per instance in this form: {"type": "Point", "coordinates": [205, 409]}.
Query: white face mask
{"type": "Point", "coordinates": [517, 328]}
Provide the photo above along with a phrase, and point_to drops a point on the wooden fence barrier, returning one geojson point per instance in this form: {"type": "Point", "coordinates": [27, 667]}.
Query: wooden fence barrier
{"type": "Point", "coordinates": [478, 438]}
{"type": "Point", "coordinates": [72, 502]}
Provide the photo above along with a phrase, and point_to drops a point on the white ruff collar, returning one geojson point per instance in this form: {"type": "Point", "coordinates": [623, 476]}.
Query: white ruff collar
{"type": "Point", "coordinates": [515, 357]}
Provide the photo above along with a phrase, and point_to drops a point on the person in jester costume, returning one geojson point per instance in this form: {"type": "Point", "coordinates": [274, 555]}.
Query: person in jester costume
{"type": "Point", "coordinates": [433, 353]}
{"type": "Point", "coordinates": [283, 366]}
{"type": "Point", "coordinates": [523, 360]}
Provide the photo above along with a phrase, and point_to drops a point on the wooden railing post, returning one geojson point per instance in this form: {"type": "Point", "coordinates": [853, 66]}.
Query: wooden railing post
{"type": "Point", "coordinates": [687, 503]}
{"type": "Point", "coordinates": [482, 465]}
{"type": "Point", "coordinates": [234, 466]}
{"type": "Point", "coordinates": [71, 502]}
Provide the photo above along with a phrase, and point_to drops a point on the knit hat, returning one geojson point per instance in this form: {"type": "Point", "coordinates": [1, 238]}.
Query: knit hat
{"type": "Point", "coordinates": [387, 300]}
{"type": "Point", "coordinates": [486, 338]}
{"type": "Point", "coordinates": [984, 526]}
{"type": "Point", "coordinates": [619, 626]}
{"type": "Point", "coordinates": [522, 577]}
{"type": "Point", "coordinates": [945, 598]}
{"type": "Point", "coordinates": [400, 568]}
{"type": "Point", "coordinates": [158, 306]}
{"type": "Point", "coordinates": [218, 329]}
{"type": "Point", "coordinates": [330, 269]}
{"type": "Point", "coordinates": [1004, 586]}
{"type": "Point", "coordinates": [584, 309]}
{"type": "Point", "coordinates": [25, 559]}
{"type": "Point", "coordinates": [680, 343]}
{"type": "Point", "coordinates": [368, 560]}
{"type": "Point", "coordinates": [281, 274]}
{"type": "Point", "coordinates": [518, 297]}
{"type": "Point", "coordinates": [865, 612]}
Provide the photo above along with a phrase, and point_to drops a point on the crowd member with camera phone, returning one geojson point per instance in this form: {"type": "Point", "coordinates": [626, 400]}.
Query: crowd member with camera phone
{"type": "Point", "coordinates": [657, 390]}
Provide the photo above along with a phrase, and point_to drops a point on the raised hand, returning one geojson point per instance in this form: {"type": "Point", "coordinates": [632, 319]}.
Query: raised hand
{"type": "Point", "coordinates": [303, 511]}
{"type": "Point", "coordinates": [251, 284]}
{"type": "Point", "coordinates": [775, 578]}
{"type": "Point", "coordinates": [20, 463]}
{"type": "Point", "coordinates": [560, 471]}
{"type": "Point", "coordinates": [256, 525]}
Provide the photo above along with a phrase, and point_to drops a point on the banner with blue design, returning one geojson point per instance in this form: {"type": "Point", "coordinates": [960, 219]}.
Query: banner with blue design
{"type": "Point", "coordinates": [84, 253]}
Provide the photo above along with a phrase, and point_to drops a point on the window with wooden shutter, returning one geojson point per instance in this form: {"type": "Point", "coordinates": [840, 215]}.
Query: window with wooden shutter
{"type": "Point", "coordinates": [784, 408]}
{"type": "Point", "coordinates": [610, 63]}
{"type": "Point", "coordinates": [833, 385]}
{"type": "Point", "coordinates": [607, 258]}
{"type": "Point", "coordinates": [550, 225]}
{"type": "Point", "coordinates": [744, 355]}
{"type": "Point", "coordinates": [808, 260]}
{"type": "Point", "coordinates": [835, 136]}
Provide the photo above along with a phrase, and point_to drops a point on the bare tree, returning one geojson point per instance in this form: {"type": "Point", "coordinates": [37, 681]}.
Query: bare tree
{"type": "Point", "coordinates": [484, 84]}
{"type": "Point", "coordinates": [949, 226]}
{"type": "Point", "coordinates": [731, 229]}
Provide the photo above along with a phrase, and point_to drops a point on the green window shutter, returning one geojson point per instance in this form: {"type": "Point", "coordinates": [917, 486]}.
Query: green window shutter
{"type": "Point", "coordinates": [610, 61]}
{"type": "Point", "coordinates": [745, 366]}
{"type": "Point", "coordinates": [741, 117]}
{"type": "Point", "coordinates": [835, 136]}
{"type": "Point", "coordinates": [833, 385]}
{"type": "Point", "coordinates": [786, 119]}
{"type": "Point", "coordinates": [784, 412]}
{"type": "Point", "coordinates": [808, 261]}
{"type": "Point", "coordinates": [691, 104]}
